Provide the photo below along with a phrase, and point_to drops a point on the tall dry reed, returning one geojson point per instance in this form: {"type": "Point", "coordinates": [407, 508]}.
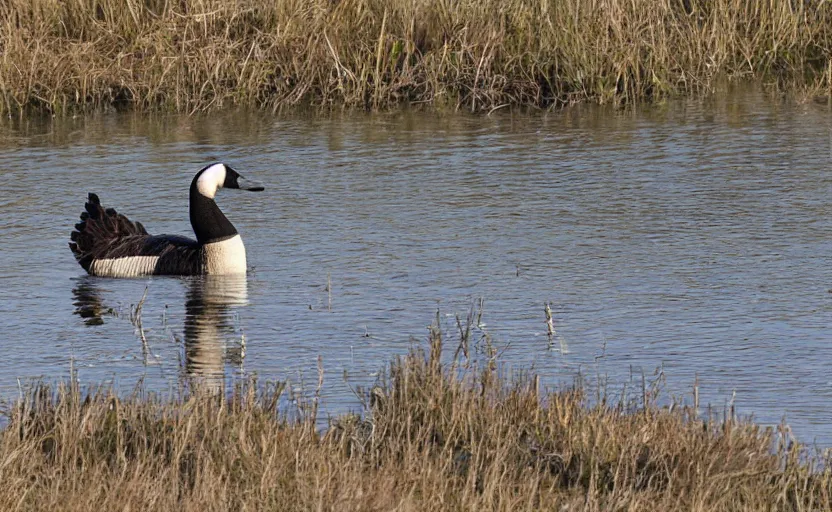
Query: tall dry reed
{"type": "Point", "coordinates": [437, 435]}
{"type": "Point", "coordinates": [196, 55]}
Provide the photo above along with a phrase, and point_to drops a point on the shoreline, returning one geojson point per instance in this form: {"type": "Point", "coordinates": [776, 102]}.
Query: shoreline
{"type": "Point", "coordinates": [190, 57]}
{"type": "Point", "coordinates": [435, 434]}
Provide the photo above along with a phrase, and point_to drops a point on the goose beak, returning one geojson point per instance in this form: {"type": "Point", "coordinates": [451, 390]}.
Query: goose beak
{"type": "Point", "coordinates": [246, 184]}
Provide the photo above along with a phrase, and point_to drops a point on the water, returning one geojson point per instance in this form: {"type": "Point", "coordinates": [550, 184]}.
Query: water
{"type": "Point", "coordinates": [694, 237]}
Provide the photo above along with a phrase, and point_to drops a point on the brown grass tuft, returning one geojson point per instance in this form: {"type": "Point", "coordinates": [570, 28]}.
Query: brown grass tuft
{"type": "Point", "coordinates": [437, 436]}
{"type": "Point", "coordinates": [197, 55]}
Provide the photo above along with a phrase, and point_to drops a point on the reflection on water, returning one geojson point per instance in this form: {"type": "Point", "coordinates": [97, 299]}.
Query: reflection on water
{"type": "Point", "coordinates": [209, 328]}
{"type": "Point", "coordinates": [211, 337]}
{"type": "Point", "coordinates": [88, 303]}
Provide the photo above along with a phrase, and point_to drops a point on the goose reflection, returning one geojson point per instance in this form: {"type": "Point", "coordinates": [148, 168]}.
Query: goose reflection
{"type": "Point", "coordinates": [211, 336]}
{"type": "Point", "coordinates": [88, 303]}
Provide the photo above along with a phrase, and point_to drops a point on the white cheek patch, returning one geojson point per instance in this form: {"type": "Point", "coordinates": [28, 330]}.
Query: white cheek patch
{"type": "Point", "coordinates": [211, 180]}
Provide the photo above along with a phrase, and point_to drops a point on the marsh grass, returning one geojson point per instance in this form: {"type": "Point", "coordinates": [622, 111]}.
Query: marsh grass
{"type": "Point", "coordinates": [196, 55]}
{"type": "Point", "coordinates": [436, 435]}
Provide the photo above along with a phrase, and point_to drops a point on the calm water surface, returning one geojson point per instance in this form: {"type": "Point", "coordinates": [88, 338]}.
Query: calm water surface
{"type": "Point", "coordinates": [695, 237]}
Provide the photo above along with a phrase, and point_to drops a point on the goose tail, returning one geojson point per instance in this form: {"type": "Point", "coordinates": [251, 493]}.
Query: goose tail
{"type": "Point", "coordinates": [100, 229]}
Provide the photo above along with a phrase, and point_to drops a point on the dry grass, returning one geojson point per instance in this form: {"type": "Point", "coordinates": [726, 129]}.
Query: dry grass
{"type": "Point", "coordinates": [196, 55]}
{"type": "Point", "coordinates": [436, 436]}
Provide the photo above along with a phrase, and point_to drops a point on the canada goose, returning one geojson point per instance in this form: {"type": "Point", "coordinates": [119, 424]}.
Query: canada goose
{"type": "Point", "coordinates": [108, 244]}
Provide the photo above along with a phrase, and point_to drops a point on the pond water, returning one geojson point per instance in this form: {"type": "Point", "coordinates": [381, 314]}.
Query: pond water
{"type": "Point", "coordinates": [693, 237]}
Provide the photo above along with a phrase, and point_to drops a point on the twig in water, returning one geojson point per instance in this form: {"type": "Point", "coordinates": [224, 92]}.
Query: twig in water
{"type": "Point", "coordinates": [435, 340]}
{"type": "Point", "coordinates": [731, 407]}
{"type": "Point", "coordinates": [603, 352]}
{"type": "Point", "coordinates": [242, 350]}
{"type": "Point", "coordinates": [550, 323]}
{"type": "Point", "coordinates": [318, 390]}
{"type": "Point", "coordinates": [464, 334]}
{"type": "Point", "coordinates": [136, 319]}
{"type": "Point", "coordinates": [498, 107]}
{"type": "Point", "coordinates": [552, 333]}
{"type": "Point", "coordinates": [136, 313]}
{"type": "Point", "coordinates": [329, 291]}
{"type": "Point", "coordinates": [696, 396]}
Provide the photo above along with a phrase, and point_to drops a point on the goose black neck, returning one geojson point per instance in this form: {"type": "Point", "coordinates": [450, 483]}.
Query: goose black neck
{"type": "Point", "coordinates": [207, 220]}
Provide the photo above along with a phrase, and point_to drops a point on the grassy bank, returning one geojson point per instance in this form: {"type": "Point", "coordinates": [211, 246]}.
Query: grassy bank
{"type": "Point", "coordinates": [435, 437]}
{"type": "Point", "coordinates": [195, 55]}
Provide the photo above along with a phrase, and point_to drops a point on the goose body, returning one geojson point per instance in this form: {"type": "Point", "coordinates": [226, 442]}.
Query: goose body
{"type": "Point", "coordinates": [106, 243]}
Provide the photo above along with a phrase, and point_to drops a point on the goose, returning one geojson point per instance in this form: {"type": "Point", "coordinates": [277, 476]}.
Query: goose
{"type": "Point", "coordinates": [106, 243]}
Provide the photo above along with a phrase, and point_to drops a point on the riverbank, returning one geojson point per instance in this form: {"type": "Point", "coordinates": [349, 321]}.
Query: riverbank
{"type": "Point", "coordinates": [435, 436]}
{"type": "Point", "coordinates": [192, 56]}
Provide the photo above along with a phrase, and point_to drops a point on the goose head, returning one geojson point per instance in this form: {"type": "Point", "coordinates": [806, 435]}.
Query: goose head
{"type": "Point", "coordinates": [219, 175]}
{"type": "Point", "coordinates": [208, 222]}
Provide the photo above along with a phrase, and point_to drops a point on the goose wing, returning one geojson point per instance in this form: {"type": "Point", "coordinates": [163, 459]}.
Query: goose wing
{"type": "Point", "coordinates": [106, 242]}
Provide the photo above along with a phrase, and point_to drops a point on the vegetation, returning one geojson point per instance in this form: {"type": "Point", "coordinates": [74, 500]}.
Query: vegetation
{"type": "Point", "coordinates": [195, 55]}
{"type": "Point", "coordinates": [436, 436]}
